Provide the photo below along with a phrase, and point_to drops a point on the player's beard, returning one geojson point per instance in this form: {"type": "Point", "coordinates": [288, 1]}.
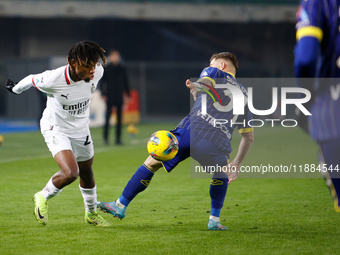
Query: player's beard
{"type": "Point", "coordinates": [87, 80]}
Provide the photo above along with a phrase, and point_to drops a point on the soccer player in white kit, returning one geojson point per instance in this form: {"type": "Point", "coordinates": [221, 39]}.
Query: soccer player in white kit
{"type": "Point", "coordinates": [65, 125]}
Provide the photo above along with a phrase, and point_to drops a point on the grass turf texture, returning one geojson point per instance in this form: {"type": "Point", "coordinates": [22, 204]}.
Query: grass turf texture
{"type": "Point", "coordinates": [264, 216]}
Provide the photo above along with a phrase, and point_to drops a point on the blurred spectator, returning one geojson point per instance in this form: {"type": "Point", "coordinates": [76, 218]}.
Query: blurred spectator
{"type": "Point", "coordinates": [114, 87]}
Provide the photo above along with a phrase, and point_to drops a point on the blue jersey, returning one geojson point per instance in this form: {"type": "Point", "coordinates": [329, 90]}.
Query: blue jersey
{"type": "Point", "coordinates": [317, 54]}
{"type": "Point", "coordinates": [320, 19]}
{"type": "Point", "coordinates": [217, 125]}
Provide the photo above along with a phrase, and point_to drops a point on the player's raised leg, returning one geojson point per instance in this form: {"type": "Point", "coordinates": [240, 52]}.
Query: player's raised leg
{"type": "Point", "coordinates": [138, 183]}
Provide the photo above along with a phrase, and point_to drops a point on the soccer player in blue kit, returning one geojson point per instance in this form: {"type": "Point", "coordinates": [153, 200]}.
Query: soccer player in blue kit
{"type": "Point", "coordinates": [317, 55]}
{"type": "Point", "coordinates": [200, 139]}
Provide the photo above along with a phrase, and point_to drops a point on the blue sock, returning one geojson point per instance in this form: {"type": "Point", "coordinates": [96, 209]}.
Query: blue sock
{"type": "Point", "coordinates": [218, 191]}
{"type": "Point", "coordinates": [138, 182]}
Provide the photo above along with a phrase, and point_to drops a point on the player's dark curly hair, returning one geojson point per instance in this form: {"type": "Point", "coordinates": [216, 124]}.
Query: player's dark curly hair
{"type": "Point", "coordinates": [86, 53]}
{"type": "Point", "coordinates": [227, 56]}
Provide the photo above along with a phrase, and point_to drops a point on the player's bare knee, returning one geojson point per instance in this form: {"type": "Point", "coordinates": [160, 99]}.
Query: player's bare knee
{"type": "Point", "coordinates": [153, 164]}
{"type": "Point", "coordinates": [70, 175]}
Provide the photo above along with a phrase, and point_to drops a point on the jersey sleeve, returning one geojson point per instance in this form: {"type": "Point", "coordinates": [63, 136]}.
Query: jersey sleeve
{"type": "Point", "coordinates": [309, 34]}
{"type": "Point", "coordinates": [310, 19]}
{"type": "Point", "coordinates": [39, 81]}
{"type": "Point", "coordinates": [23, 85]}
{"type": "Point", "coordinates": [44, 81]}
{"type": "Point", "coordinates": [243, 120]}
{"type": "Point", "coordinates": [211, 74]}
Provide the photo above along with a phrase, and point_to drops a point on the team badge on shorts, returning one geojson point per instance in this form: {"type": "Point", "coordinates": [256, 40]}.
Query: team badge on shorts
{"type": "Point", "coordinates": [54, 141]}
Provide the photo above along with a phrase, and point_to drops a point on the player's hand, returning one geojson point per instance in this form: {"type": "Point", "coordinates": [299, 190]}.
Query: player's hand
{"type": "Point", "coordinates": [193, 88]}
{"type": "Point", "coordinates": [233, 170]}
{"type": "Point", "coordinates": [9, 86]}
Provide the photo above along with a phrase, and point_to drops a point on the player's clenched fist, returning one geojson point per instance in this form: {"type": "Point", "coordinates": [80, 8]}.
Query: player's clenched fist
{"type": "Point", "coordinates": [9, 86]}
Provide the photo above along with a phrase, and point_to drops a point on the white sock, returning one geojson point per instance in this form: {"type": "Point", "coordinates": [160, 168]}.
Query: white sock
{"type": "Point", "coordinates": [214, 218]}
{"type": "Point", "coordinates": [50, 190]}
{"type": "Point", "coordinates": [90, 198]}
{"type": "Point", "coordinates": [119, 204]}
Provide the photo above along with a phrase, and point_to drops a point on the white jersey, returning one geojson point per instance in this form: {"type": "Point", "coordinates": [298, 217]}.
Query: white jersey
{"type": "Point", "coordinates": [68, 102]}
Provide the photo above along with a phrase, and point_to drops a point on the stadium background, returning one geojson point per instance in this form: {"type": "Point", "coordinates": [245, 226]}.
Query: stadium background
{"type": "Point", "coordinates": [162, 43]}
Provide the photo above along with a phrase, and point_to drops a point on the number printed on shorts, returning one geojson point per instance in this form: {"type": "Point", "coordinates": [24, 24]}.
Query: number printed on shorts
{"type": "Point", "coordinates": [87, 142]}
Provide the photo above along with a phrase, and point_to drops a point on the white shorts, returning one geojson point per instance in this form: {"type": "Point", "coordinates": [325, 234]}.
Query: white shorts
{"type": "Point", "coordinates": [82, 148]}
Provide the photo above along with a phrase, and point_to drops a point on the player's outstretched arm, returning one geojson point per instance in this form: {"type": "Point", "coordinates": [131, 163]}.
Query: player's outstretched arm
{"type": "Point", "coordinates": [21, 86]}
{"type": "Point", "coordinates": [196, 86]}
{"type": "Point", "coordinates": [307, 51]}
{"type": "Point", "coordinates": [234, 167]}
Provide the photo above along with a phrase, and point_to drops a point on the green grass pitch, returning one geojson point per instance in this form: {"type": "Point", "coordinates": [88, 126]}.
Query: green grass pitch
{"type": "Point", "coordinates": [264, 215]}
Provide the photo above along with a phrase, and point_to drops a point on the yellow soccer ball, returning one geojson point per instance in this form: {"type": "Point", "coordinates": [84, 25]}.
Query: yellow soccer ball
{"type": "Point", "coordinates": [162, 145]}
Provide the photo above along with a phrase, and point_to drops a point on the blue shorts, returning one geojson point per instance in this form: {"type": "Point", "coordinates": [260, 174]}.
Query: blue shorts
{"type": "Point", "coordinates": [203, 151]}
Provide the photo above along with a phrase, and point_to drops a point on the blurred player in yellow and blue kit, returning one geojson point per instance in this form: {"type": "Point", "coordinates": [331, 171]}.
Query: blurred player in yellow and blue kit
{"type": "Point", "coordinates": [317, 55]}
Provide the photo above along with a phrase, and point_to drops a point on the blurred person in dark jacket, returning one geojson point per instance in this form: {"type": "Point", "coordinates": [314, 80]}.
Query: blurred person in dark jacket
{"type": "Point", "coordinates": [114, 87]}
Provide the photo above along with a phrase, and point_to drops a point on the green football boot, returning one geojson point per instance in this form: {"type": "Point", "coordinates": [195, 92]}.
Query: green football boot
{"type": "Point", "coordinates": [40, 208]}
{"type": "Point", "coordinates": [95, 219]}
